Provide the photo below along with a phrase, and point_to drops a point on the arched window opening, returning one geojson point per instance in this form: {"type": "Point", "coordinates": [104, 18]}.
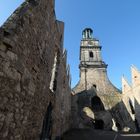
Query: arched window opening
{"type": "Point", "coordinates": [97, 104]}
{"type": "Point", "coordinates": [131, 106]}
{"type": "Point", "coordinates": [47, 124]}
{"type": "Point", "coordinates": [95, 86]}
{"type": "Point", "coordinates": [91, 54]}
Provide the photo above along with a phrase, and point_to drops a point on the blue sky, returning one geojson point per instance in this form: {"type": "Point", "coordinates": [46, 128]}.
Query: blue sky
{"type": "Point", "coordinates": [116, 23]}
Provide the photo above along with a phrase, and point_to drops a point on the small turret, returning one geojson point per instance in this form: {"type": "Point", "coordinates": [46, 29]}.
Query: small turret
{"type": "Point", "coordinates": [87, 33]}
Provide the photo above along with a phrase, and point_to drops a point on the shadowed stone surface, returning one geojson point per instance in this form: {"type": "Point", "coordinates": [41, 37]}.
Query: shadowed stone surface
{"type": "Point", "coordinates": [29, 42]}
{"type": "Point", "coordinates": [88, 134]}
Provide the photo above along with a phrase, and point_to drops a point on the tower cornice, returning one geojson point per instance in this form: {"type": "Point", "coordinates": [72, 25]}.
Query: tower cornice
{"type": "Point", "coordinates": [101, 65]}
{"type": "Point", "coordinates": [98, 47]}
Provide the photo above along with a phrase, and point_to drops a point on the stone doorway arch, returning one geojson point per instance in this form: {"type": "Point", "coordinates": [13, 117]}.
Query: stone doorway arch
{"type": "Point", "coordinates": [97, 104]}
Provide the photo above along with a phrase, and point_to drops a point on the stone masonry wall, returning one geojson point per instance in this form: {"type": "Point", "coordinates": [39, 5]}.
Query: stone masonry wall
{"type": "Point", "coordinates": [131, 95]}
{"type": "Point", "coordinates": [29, 40]}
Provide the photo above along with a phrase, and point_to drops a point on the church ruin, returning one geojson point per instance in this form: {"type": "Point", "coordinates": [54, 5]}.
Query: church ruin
{"type": "Point", "coordinates": [95, 92]}
{"type": "Point", "coordinates": [36, 99]}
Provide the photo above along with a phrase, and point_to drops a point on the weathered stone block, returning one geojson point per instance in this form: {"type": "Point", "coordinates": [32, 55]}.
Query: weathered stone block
{"type": "Point", "coordinates": [3, 47]}
{"type": "Point", "coordinates": [12, 55]}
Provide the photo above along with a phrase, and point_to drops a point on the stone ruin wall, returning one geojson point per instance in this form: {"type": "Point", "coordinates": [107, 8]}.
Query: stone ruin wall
{"type": "Point", "coordinates": [110, 96]}
{"type": "Point", "coordinates": [29, 41]}
{"type": "Point", "coordinates": [131, 95]}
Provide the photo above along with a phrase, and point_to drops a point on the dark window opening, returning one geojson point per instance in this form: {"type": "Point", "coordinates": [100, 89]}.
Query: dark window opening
{"type": "Point", "coordinates": [55, 84]}
{"type": "Point", "coordinates": [118, 126]}
{"type": "Point", "coordinates": [47, 123]}
{"type": "Point", "coordinates": [95, 86]}
{"type": "Point", "coordinates": [97, 104]}
{"type": "Point", "coordinates": [91, 54]}
{"type": "Point", "coordinates": [131, 106]}
{"type": "Point", "coordinates": [99, 124]}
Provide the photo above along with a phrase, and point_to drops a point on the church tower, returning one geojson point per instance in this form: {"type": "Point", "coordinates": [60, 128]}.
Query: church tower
{"type": "Point", "coordinates": [94, 92]}
{"type": "Point", "coordinates": [90, 51]}
{"type": "Point", "coordinates": [93, 73]}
